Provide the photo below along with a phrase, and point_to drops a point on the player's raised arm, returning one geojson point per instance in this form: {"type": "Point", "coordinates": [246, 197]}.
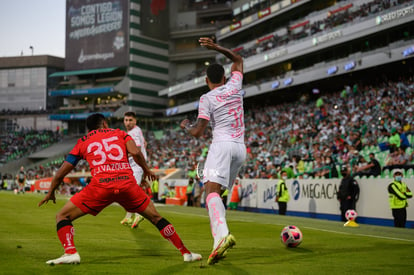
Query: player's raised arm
{"type": "Point", "coordinates": [136, 153]}
{"type": "Point", "coordinates": [196, 129]}
{"type": "Point", "coordinates": [235, 58]}
{"type": "Point", "coordinates": [56, 181]}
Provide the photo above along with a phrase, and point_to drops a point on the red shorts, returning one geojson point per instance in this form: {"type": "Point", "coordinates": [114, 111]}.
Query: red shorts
{"type": "Point", "coordinates": [92, 199]}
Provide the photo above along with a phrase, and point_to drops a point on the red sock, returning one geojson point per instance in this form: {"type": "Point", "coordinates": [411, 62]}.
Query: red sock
{"type": "Point", "coordinates": [65, 232]}
{"type": "Point", "coordinates": [167, 230]}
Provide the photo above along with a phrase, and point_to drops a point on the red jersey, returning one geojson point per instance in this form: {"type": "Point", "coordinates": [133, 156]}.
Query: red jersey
{"type": "Point", "coordinates": [105, 151]}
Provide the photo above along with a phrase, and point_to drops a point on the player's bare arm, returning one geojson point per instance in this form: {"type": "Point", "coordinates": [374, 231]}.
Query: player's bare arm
{"type": "Point", "coordinates": [135, 152]}
{"type": "Point", "coordinates": [235, 58]}
{"type": "Point", "coordinates": [56, 181]}
{"type": "Point", "coordinates": [196, 129]}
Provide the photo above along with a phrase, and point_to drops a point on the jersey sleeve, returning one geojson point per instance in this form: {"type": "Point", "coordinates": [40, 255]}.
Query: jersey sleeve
{"type": "Point", "coordinates": [204, 111]}
{"type": "Point", "coordinates": [75, 154]}
{"type": "Point", "coordinates": [138, 137]}
{"type": "Point", "coordinates": [125, 136]}
{"type": "Point", "coordinates": [236, 80]}
{"type": "Point", "coordinates": [141, 137]}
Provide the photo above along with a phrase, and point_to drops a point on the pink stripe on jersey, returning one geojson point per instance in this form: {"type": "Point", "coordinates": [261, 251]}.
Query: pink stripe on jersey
{"type": "Point", "coordinates": [237, 72]}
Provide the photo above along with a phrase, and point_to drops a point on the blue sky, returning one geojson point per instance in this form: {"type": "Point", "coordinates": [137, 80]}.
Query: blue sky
{"type": "Point", "coordinates": [37, 23]}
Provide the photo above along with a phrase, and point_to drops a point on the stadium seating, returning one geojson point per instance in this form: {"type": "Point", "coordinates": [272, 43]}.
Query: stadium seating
{"type": "Point", "coordinates": [18, 144]}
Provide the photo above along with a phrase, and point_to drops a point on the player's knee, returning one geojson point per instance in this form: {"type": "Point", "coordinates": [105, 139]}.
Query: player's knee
{"type": "Point", "coordinates": [60, 216]}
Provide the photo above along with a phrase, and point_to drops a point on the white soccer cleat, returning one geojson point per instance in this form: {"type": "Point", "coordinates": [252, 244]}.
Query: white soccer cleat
{"type": "Point", "coordinates": [66, 259]}
{"type": "Point", "coordinates": [126, 221]}
{"type": "Point", "coordinates": [191, 257]}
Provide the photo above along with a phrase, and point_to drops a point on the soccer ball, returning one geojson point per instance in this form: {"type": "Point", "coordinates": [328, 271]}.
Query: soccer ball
{"type": "Point", "coordinates": [351, 215]}
{"type": "Point", "coordinates": [291, 236]}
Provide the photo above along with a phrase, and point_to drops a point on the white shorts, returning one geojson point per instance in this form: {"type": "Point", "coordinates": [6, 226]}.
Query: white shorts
{"type": "Point", "coordinates": [137, 170]}
{"type": "Point", "coordinates": [223, 162]}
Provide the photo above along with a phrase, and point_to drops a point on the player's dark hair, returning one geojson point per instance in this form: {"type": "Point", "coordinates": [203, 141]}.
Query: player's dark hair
{"type": "Point", "coordinates": [131, 114]}
{"type": "Point", "coordinates": [95, 121]}
{"type": "Point", "coordinates": [215, 73]}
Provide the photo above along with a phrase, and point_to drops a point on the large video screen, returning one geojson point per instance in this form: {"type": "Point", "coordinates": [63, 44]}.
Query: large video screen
{"type": "Point", "coordinates": [96, 34]}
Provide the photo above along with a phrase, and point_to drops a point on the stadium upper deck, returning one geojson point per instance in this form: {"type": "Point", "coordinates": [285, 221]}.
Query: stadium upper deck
{"type": "Point", "coordinates": [301, 45]}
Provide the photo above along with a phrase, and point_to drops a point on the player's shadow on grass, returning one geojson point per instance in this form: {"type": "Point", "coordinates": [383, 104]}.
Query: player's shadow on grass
{"type": "Point", "coordinates": [150, 240]}
{"type": "Point", "coordinates": [194, 268]}
{"type": "Point", "coordinates": [301, 250]}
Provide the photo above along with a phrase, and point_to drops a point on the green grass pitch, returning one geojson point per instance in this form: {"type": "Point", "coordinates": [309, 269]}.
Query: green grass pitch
{"type": "Point", "coordinates": [28, 238]}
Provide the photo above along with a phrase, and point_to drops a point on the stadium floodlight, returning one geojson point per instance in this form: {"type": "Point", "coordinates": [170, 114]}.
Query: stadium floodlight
{"type": "Point", "coordinates": [409, 51]}
{"type": "Point", "coordinates": [288, 81]}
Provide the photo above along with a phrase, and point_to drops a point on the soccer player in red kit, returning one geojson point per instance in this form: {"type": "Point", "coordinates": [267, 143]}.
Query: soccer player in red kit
{"type": "Point", "coordinates": [106, 151]}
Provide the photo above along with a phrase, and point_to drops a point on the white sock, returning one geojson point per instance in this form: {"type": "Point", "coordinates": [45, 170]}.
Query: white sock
{"type": "Point", "coordinates": [217, 214]}
{"type": "Point", "coordinates": [137, 215]}
{"type": "Point", "coordinates": [128, 215]}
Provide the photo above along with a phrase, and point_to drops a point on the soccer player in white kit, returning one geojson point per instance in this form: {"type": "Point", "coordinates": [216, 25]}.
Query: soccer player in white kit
{"type": "Point", "coordinates": [130, 123]}
{"type": "Point", "coordinates": [222, 106]}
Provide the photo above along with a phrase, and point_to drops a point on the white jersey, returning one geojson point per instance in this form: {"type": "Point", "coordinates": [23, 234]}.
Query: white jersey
{"type": "Point", "coordinates": [139, 139]}
{"type": "Point", "coordinates": [223, 107]}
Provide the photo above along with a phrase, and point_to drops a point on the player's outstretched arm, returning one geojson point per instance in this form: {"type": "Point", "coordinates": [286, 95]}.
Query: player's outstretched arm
{"type": "Point", "coordinates": [56, 181]}
{"type": "Point", "coordinates": [197, 129]}
{"type": "Point", "coordinates": [139, 159]}
{"type": "Point", "coordinates": [235, 58]}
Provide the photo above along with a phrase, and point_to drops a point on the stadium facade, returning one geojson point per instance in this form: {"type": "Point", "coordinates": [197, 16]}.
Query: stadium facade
{"type": "Point", "coordinates": [24, 84]}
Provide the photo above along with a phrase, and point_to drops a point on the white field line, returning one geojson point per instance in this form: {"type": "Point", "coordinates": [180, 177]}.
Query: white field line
{"type": "Point", "coordinates": [363, 235]}
{"type": "Point", "coordinates": [312, 228]}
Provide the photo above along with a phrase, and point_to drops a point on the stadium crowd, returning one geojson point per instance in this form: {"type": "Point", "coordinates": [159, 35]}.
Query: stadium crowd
{"type": "Point", "coordinates": [17, 144]}
{"type": "Point", "coordinates": [368, 127]}
{"type": "Point", "coordinates": [311, 139]}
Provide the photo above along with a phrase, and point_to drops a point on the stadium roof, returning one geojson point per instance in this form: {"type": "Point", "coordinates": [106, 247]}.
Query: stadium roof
{"type": "Point", "coordinates": [81, 72]}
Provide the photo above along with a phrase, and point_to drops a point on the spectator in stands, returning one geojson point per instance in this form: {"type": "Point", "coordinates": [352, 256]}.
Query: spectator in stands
{"type": "Point", "coordinates": [372, 168]}
{"type": "Point", "coordinates": [394, 140]}
{"type": "Point", "coordinates": [330, 170]}
{"type": "Point", "coordinates": [396, 159]}
{"type": "Point", "coordinates": [404, 140]}
{"type": "Point", "coordinates": [299, 165]}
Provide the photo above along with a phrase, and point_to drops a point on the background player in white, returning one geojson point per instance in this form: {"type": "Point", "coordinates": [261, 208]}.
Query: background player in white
{"type": "Point", "coordinates": [130, 123]}
{"type": "Point", "coordinates": [222, 106]}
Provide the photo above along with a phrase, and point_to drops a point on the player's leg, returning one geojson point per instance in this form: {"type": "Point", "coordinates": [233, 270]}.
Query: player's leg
{"type": "Point", "coordinates": [282, 208]}
{"type": "Point", "coordinates": [21, 187]}
{"type": "Point", "coordinates": [138, 173]}
{"type": "Point", "coordinates": [167, 230]}
{"type": "Point", "coordinates": [90, 200]}
{"type": "Point", "coordinates": [65, 232]}
{"type": "Point", "coordinates": [222, 165]}
{"type": "Point", "coordinates": [134, 199]}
